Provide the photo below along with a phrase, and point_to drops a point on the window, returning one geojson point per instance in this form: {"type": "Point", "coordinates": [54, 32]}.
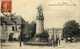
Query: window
{"type": "Point", "coordinates": [6, 34]}
{"type": "Point", "coordinates": [2, 33]}
{"type": "Point", "coordinates": [2, 18]}
{"type": "Point", "coordinates": [15, 28]}
{"type": "Point", "coordinates": [6, 28]}
{"type": "Point", "coordinates": [12, 28]}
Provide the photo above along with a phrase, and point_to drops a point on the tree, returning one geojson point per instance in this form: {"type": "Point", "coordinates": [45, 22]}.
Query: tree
{"type": "Point", "coordinates": [33, 28]}
{"type": "Point", "coordinates": [27, 31]}
{"type": "Point", "coordinates": [21, 37]}
{"type": "Point", "coordinates": [70, 29]}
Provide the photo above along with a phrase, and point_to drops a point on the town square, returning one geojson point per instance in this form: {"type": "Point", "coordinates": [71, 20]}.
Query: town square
{"type": "Point", "coordinates": [39, 24]}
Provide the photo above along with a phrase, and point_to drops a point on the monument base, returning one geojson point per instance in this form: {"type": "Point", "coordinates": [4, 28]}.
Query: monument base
{"type": "Point", "coordinates": [38, 43]}
{"type": "Point", "coordinates": [39, 39]}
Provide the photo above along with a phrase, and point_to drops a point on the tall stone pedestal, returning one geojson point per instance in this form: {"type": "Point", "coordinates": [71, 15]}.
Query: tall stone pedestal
{"type": "Point", "coordinates": [39, 26]}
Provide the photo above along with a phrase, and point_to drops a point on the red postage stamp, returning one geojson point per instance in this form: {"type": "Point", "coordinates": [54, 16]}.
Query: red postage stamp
{"type": "Point", "coordinates": [6, 6]}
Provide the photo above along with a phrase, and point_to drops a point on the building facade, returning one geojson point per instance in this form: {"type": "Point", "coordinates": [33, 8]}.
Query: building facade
{"type": "Point", "coordinates": [57, 32]}
{"type": "Point", "coordinates": [10, 29]}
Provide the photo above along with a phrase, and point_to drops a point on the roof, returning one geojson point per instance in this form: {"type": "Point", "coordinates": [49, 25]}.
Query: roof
{"type": "Point", "coordinates": [17, 19]}
{"type": "Point", "coordinates": [53, 29]}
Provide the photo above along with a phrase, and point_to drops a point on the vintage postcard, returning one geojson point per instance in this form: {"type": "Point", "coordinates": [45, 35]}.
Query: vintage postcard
{"type": "Point", "coordinates": [40, 24]}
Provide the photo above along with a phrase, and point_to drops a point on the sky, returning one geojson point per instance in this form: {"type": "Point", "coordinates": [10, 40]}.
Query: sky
{"type": "Point", "coordinates": [55, 14]}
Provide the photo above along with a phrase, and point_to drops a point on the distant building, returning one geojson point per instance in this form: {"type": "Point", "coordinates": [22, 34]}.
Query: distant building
{"type": "Point", "coordinates": [50, 32]}
{"type": "Point", "coordinates": [55, 31]}
{"type": "Point", "coordinates": [10, 28]}
{"type": "Point", "coordinates": [58, 31]}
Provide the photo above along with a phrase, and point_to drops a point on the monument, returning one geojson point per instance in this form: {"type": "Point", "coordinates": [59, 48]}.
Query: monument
{"type": "Point", "coordinates": [41, 37]}
{"type": "Point", "coordinates": [39, 25]}
{"type": "Point", "coordinates": [40, 21]}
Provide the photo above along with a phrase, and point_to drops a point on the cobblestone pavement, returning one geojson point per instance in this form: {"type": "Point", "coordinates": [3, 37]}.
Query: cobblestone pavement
{"type": "Point", "coordinates": [15, 45]}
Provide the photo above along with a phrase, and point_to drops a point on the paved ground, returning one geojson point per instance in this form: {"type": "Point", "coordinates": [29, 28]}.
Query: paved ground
{"type": "Point", "coordinates": [15, 45]}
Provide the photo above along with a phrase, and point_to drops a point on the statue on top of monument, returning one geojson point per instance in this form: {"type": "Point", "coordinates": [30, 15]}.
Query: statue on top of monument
{"type": "Point", "coordinates": [40, 10]}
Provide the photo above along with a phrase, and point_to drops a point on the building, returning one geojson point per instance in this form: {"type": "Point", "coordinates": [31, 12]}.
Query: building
{"type": "Point", "coordinates": [58, 31]}
{"type": "Point", "coordinates": [54, 31]}
{"type": "Point", "coordinates": [50, 32]}
{"type": "Point", "coordinates": [10, 29]}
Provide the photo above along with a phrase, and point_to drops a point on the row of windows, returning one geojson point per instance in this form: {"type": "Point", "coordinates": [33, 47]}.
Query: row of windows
{"type": "Point", "coordinates": [14, 28]}
{"type": "Point", "coordinates": [5, 33]}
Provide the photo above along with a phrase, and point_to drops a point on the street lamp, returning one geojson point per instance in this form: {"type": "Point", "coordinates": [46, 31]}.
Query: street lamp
{"type": "Point", "coordinates": [53, 37]}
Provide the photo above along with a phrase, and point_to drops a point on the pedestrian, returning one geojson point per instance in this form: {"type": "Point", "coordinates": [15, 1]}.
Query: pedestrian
{"type": "Point", "coordinates": [59, 42]}
{"type": "Point", "coordinates": [20, 44]}
{"type": "Point", "coordinates": [54, 43]}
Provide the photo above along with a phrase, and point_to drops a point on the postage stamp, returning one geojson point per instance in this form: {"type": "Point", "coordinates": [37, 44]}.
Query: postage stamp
{"type": "Point", "coordinates": [6, 6]}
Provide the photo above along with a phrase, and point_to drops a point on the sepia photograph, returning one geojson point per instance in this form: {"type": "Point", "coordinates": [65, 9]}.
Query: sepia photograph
{"type": "Point", "coordinates": [40, 24]}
